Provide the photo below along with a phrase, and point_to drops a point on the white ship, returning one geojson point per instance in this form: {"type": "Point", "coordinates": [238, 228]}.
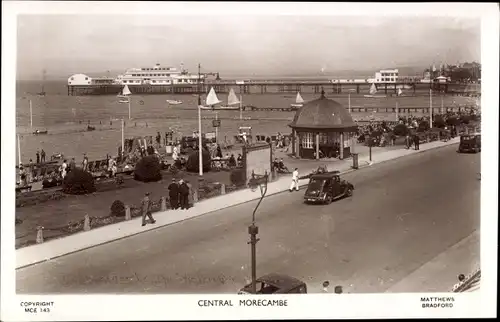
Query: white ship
{"type": "Point", "coordinates": [299, 102]}
{"type": "Point", "coordinates": [158, 75]}
{"type": "Point", "coordinates": [174, 102]}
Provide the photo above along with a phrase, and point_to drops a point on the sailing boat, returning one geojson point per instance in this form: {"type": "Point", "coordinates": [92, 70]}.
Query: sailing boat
{"type": "Point", "coordinates": [124, 95]}
{"type": "Point", "coordinates": [373, 91]}
{"type": "Point", "coordinates": [211, 100]}
{"type": "Point", "coordinates": [400, 92]}
{"type": "Point", "coordinates": [299, 101]}
{"type": "Point", "coordinates": [232, 102]}
{"type": "Point", "coordinates": [42, 93]}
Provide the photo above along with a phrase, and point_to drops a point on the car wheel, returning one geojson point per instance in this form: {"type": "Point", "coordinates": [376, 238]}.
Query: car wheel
{"type": "Point", "coordinates": [349, 192]}
{"type": "Point", "coordinates": [328, 199]}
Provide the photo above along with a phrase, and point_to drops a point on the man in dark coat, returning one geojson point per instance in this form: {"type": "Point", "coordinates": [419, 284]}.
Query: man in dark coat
{"type": "Point", "coordinates": [173, 193]}
{"type": "Point", "coordinates": [416, 141]}
{"type": "Point", "coordinates": [42, 156]}
{"type": "Point", "coordinates": [184, 195]}
{"type": "Point", "coordinates": [37, 157]}
{"type": "Point", "coordinates": [146, 210]}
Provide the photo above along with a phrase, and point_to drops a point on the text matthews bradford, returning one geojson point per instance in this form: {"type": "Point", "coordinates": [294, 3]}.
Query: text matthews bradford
{"type": "Point", "coordinates": [211, 303]}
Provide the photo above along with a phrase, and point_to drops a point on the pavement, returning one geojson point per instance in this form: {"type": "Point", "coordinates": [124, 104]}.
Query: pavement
{"type": "Point", "coordinates": [441, 273]}
{"type": "Point", "coordinates": [403, 214]}
{"type": "Point", "coordinates": [58, 247]}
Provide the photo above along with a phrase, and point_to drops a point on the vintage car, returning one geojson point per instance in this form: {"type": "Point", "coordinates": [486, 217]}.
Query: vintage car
{"type": "Point", "coordinates": [276, 284]}
{"type": "Point", "coordinates": [470, 143]}
{"type": "Point", "coordinates": [325, 187]}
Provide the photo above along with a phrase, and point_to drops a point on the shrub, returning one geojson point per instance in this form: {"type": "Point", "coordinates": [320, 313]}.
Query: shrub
{"type": "Point", "coordinates": [452, 121]}
{"type": "Point", "coordinates": [50, 183]}
{"type": "Point", "coordinates": [439, 122]}
{"type": "Point", "coordinates": [423, 126]}
{"type": "Point", "coordinates": [118, 208]}
{"type": "Point", "coordinates": [237, 177]}
{"type": "Point", "coordinates": [465, 119]}
{"type": "Point", "coordinates": [78, 182]}
{"type": "Point", "coordinates": [400, 130]}
{"type": "Point", "coordinates": [148, 169]}
{"type": "Point", "coordinates": [192, 164]}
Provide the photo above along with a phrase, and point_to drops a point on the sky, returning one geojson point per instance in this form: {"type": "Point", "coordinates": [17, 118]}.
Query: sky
{"type": "Point", "coordinates": [239, 45]}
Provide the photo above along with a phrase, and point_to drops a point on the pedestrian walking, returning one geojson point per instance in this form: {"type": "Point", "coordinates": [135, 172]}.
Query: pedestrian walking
{"type": "Point", "coordinates": [295, 180]}
{"type": "Point", "coordinates": [416, 142]}
{"type": "Point", "coordinates": [184, 195]}
{"type": "Point", "coordinates": [173, 193]}
{"type": "Point", "coordinates": [37, 156]}
{"type": "Point", "coordinates": [190, 196]}
{"type": "Point", "coordinates": [72, 165]}
{"type": "Point", "coordinates": [64, 169]}
{"type": "Point", "coordinates": [146, 209]}
{"type": "Point", "coordinates": [85, 162]}
{"type": "Point", "coordinates": [42, 156]}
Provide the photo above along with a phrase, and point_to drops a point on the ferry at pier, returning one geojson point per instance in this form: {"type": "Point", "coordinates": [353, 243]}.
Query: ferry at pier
{"type": "Point", "coordinates": [158, 75]}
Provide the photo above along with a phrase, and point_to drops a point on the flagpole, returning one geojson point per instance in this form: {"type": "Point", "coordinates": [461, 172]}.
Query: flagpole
{"type": "Point", "coordinates": [349, 102]}
{"type": "Point", "coordinates": [31, 116]}
{"type": "Point", "coordinates": [216, 128]}
{"type": "Point", "coordinates": [397, 111]}
{"type": "Point", "coordinates": [430, 108]}
{"type": "Point", "coordinates": [241, 106]}
{"type": "Point", "coordinates": [129, 103]}
{"type": "Point", "coordinates": [442, 105]}
{"type": "Point", "coordinates": [200, 141]}
{"type": "Point", "coordinates": [19, 149]}
{"type": "Point", "coordinates": [123, 139]}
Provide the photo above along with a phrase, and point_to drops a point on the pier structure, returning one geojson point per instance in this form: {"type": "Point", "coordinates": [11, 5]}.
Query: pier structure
{"type": "Point", "coordinates": [268, 87]}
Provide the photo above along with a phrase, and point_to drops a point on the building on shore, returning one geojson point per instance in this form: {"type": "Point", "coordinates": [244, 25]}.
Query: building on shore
{"type": "Point", "coordinates": [322, 125]}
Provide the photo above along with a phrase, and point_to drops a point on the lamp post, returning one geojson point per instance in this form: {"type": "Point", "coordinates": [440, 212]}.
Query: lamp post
{"type": "Point", "coordinates": [430, 108]}
{"type": "Point", "coordinates": [200, 141]}
{"type": "Point", "coordinates": [31, 116]}
{"type": "Point", "coordinates": [253, 229]}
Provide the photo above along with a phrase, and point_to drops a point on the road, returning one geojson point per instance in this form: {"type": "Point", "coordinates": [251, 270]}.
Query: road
{"type": "Point", "coordinates": [403, 213]}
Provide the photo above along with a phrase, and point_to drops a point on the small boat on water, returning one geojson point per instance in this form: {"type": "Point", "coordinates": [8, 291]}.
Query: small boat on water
{"type": "Point", "coordinates": [211, 101]}
{"type": "Point", "coordinates": [233, 103]}
{"type": "Point", "coordinates": [174, 102]}
{"type": "Point", "coordinates": [373, 92]}
{"type": "Point", "coordinates": [38, 132]}
{"type": "Point", "coordinates": [125, 93]}
{"type": "Point", "coordinates": [299, 102]}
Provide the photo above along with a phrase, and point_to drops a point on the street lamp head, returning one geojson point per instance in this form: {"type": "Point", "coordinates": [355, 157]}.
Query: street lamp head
{"type": "Point", "coordinates": [258, 181]}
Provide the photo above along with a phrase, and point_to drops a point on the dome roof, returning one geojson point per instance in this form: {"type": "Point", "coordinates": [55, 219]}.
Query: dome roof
{"type": "Point", "coordinates": [323, 114]}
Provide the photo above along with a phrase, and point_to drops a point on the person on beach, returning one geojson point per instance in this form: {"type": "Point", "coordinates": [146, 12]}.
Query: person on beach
{"type": "Point", "coordinates": [146, 209]}
{"type": "Point", "coordinates": [37, 156]}
{"type": "Point", "coordinates": [295, 180]}
{"type": "Point", "coordinates": [85, 162]}
{"type": "Point", "coordinates": [416, 141]}
{"type": "Point", "coordinates": [183, 195]}
{"type": "Point", "coordinates": [219, 152]}
{"type": "Point", "coordinates": [173, 194]}
{"type": "Point", "coordinates": [42, 156]}
{"type": "Point", "coordinates": [64, 169]}
{"type": "Point", "coordinates": [72, 165]}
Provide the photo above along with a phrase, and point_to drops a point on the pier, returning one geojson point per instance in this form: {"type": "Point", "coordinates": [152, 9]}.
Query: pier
{"type": "Point", "coordinates": [273, 87]}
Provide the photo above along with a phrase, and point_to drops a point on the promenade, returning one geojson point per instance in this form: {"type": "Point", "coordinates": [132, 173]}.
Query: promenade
{"type": "Point", "coordinates": [403, 214]}
{"type": "Point", "coordinates": [59, 247]}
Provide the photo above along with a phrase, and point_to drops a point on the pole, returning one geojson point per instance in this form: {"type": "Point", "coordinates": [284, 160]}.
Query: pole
{"type": "Point", "coordinates": [123, 139]}
{"type": "Point", "coordinates": [430, 108]}
{"type": "Point", "coordinates": [216, 128]}
{"type": "Point", "coordinates": [241, 107]}
{"type": "Point", "coordinates": [129, 103]}
{"type": "Point", "coordinates": [397, 111]}
{"type": "Point", "coordinates": [442, 105]}
{"type": "Point", "coordinates": [349, 102]}
{"type": "Point", "coordinates": [31, 116]}
{"type": "Point", "coordinates": [19, 149]}
{"type": "Point", "coordinates": [200, 141]}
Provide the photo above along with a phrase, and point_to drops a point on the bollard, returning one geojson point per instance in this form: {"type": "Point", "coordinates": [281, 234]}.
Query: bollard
{"type": "Point", "coordinates": [86, 223]}
{"type": "Point", "coordinates": [128, 216]}
{"type": "Point", "coordinates": [195, 196]}
{"type": "Point", "coordinates": [222, 189]}
{"type": "Point", "coordinates": [39, 234]}
{"type": "Point", "coordinates": [163, 204]}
